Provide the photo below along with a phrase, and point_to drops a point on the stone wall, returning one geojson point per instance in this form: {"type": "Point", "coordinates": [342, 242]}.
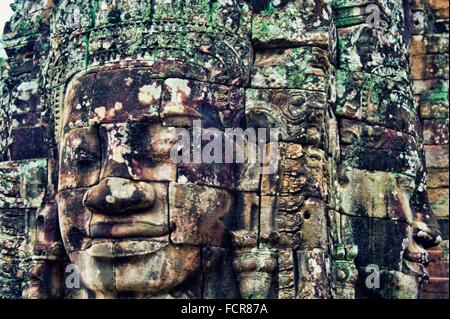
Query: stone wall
{"type": "Point", "coordinates": [429, 72]}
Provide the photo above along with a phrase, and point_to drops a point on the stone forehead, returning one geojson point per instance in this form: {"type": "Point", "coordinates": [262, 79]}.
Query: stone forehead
{"type": "Point", "coordinates": [138, 95]}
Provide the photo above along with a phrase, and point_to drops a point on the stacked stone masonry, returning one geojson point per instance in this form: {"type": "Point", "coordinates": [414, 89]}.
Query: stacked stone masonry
{"type": "Point", "coordinates": [429, 72]}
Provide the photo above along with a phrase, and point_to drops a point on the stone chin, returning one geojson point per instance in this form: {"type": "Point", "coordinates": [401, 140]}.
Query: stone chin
{"type": "Point", "coordinates": [149, 274]}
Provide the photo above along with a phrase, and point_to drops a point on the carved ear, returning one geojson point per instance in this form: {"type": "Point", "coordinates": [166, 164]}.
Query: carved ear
{"type": "Point", "coordinates": [48, 237]}
{"type": "Point", "coordinates": [426, 229]}
{"type": "Point", "coordinates": [46, 270]}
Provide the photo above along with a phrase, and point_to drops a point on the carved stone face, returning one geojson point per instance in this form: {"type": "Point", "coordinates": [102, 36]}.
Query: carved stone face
{"type": "Point", "coordinates": [132, 220]}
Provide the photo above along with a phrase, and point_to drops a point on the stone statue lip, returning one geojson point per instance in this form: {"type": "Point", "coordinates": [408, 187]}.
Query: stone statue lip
{"type": "Point", "coordinates": [109, 248]}
{"type": "Point", "coordinates": [127, 229]}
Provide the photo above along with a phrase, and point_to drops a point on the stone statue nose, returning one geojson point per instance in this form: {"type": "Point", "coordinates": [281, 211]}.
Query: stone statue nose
{"type": "Point", "coordinates": [116, 196]}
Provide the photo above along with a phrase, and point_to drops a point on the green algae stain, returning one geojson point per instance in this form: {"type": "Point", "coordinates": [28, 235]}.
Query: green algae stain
{"type": "Point", "coordinates": [269, 10]}
{"type": "Point", "coordinates": [212, 11]}
{"type": "Point", "coordinates": [94, 7]}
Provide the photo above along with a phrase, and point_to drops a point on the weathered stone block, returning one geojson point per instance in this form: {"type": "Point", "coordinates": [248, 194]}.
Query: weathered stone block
{"type": "Point", "coordinates": [434, 109]}
{"type": "Point", "coordinates": [435, 132]}
{"type": "Point", "coordinates": [431, 90]}
{"type": "Point", "coordinates": [285, 288]}
{"type": "Point", "coordinates": [380, 195]}
{"type": "Point", "coordinates": [380, 242]}
{"type": "Point", "coordinates": [437, 178]}
{"type": "Point", "coordinates": [23, 184]}
{"type": "Point", "coordinates": [232, 15]}
{"type": "Point", "coordinates": [370, 50]}
{"type": "Point", "coordinates": [25, 97]}
{"type": "Point", "coordinates": [393, 285]}
{"type": "Point", "coordinates": [306, 68]}
{"type": "Point", "coordinates": [314, 228]}
{"type": "Point", "coordinates": [78, 102]}
{"type": "Point", "coordinates": [405, 162]}
{"type": "Point", "coordinates": [436, 156]}
{"type": "Point", "coordinates": [355, 133]}
{"type": "Point", "coordinates": [219, 277]}
{"type": "Point", "coordinates": [247, 208]}
{"type": "Point", "coordinates": [200, 215]}
{"type": "Point", "coordinates": [287, 223]}
{"type": "Point", "coordinates": [228, 160]}
{"type": "Point", "coordinates": [300, 173]}
{"type": "Point", "coordinates": [444, 228]}
{"type": "Point", "coordinates": [313, 270]}
{"type": "Point", "coordinates": [430, 66]}
{"type": "Point", "coordinates": [29, 143]}
{"type": "Point", "coordinates": [388, 101]}
{"type": "Point", "coordinates": [439, 200]}
{"type": "Point", "coordinates": [28, 119]}
{"type": "Point", "coordinates": [293, 23]}
{"type": "Point", "coordinates": [14, 251]}
{"type": "Point", "coordinates": [429, 43]}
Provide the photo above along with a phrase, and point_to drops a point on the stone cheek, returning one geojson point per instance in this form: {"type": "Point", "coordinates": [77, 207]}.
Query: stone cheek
{"type": "Point", "coordinates": [237, 167]}
{"type": "Point", "coordinates": [371, 239]}
{"type": "Point", "coordinates": [154, 273]}
{"type": "Point", "coordinates": [378, 195]}
{"type": "Point", "coordinates": [198, 212]}
{"type": "Point", "coordinates": [74, 218]}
